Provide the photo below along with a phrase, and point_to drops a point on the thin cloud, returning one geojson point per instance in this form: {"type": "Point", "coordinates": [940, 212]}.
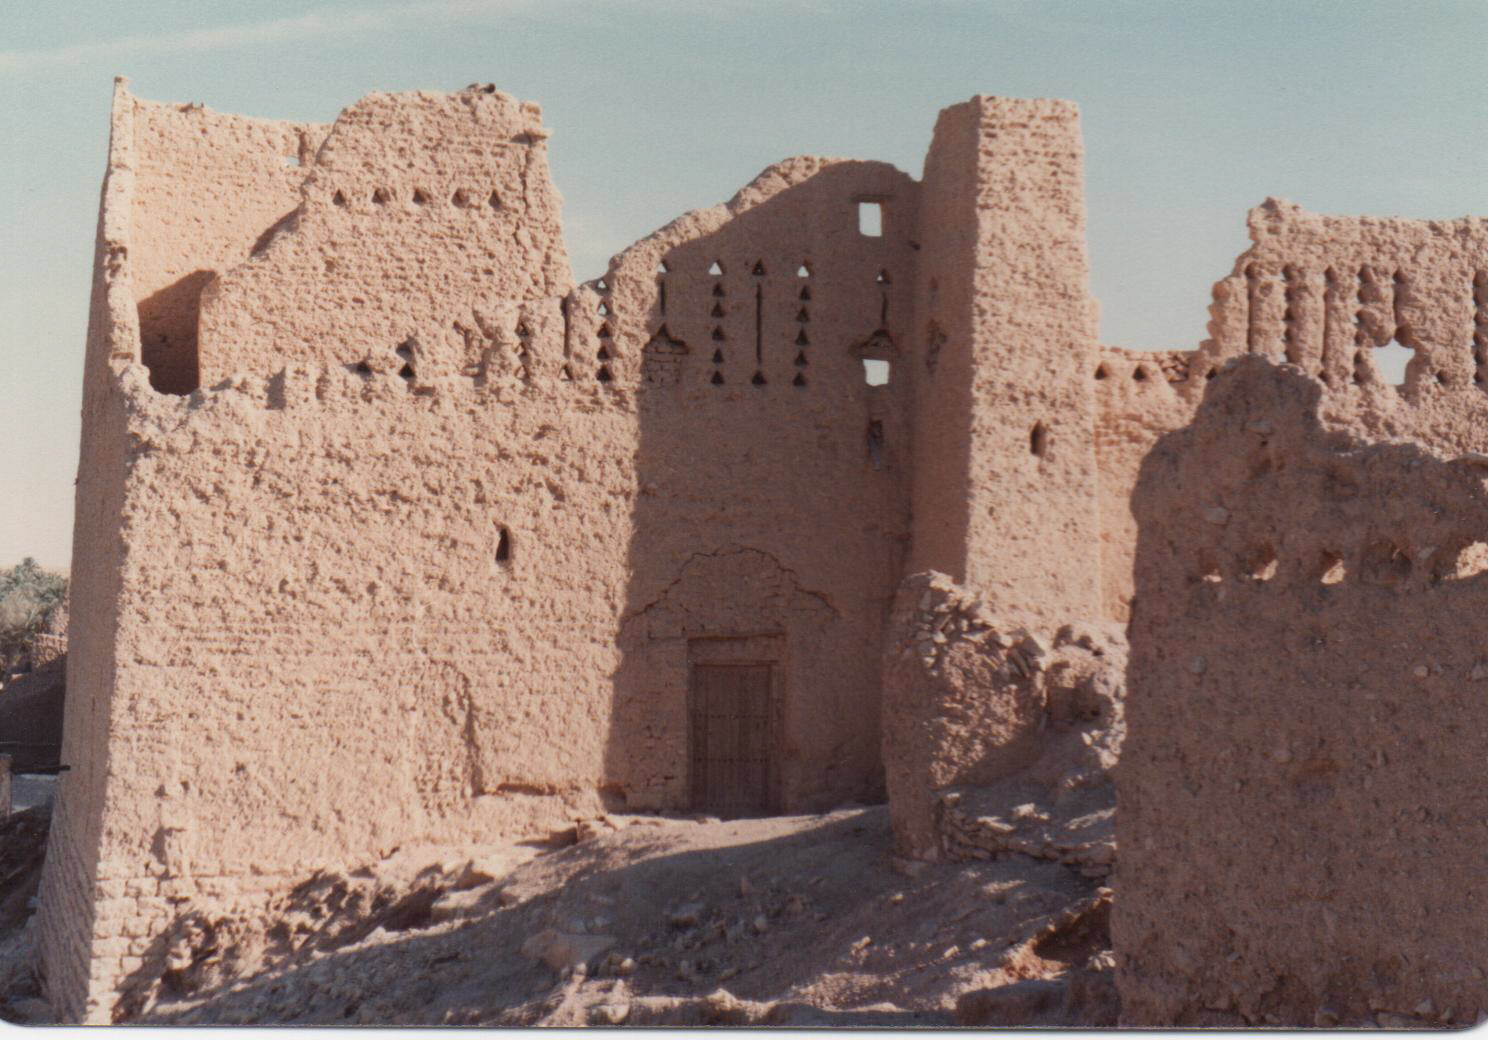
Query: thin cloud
{"type": "Point", "coordinates": [311, 26]}
{"type": "Point", "coordinates": [329, 23]}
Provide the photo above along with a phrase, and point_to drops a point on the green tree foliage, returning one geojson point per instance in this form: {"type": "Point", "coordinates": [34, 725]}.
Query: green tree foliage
{"type": "Point", "coordinates": [28, 595]}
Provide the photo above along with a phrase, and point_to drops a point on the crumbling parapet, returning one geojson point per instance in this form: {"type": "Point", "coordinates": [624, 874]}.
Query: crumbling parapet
{"type": "Point", "coordinates": [1301, 822]}
{"type": "Point", "coordinates": [997, 740]}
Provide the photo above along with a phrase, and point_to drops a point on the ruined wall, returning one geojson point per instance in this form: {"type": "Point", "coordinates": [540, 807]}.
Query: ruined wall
{"type": "Point", "coordinates": [774, 480]}
{"type": "Point", "coordinates": [1140, 396]}
{"type": "Point", "coordinates": [1006, 305]}
{"type": "Point", "coordinates": [418, 209]}
{"type": "Point", "coordinates": [207, 187]}
{"type": "Point", "coordinates": [466, 562]}
{"type": "Point", "coordinates": [1300, 826]}
{"type": "Point", "coordinates": [1323, 293]}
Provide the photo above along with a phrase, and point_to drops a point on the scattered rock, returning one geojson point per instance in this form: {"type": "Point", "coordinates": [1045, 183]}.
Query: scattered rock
{"type": "Point", "coordinates": [687, 916]}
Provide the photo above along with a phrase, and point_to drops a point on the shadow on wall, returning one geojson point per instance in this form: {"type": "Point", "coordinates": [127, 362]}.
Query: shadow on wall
{"type": "Point", "coordinates": [168, 333]}
{"type": "Point", "coordinates": [1300, 805]}
{"type": "Point", "coordinates": [771, 518]}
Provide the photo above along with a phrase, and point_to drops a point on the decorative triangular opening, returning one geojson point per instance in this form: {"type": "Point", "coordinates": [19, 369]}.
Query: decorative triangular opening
{"type": "Point", "coordinates": [407, 373]}
{"type": "Point", "coordinates": [602, 285]}
{"type": "Point", "coordinates": [759, 269]}
{"type": "Point", "coordinates": [494, 201]}
{"type": "Point", "coordinates": [339, 199]}
{"type": "Point", "coordinates": [803, 315]}
{"type": "Point", "coordinates": [883, 278]}
{"type": "Point", "coordinates": [603, 333]}
{"type": "Point", "coordinates": [716, 269]}
{"type": "Point", "coordinates": [802, 340]}
{"type": "Point", "coordinates": [717, 357]}
{"type": "Point", "coordinates": [604, 375]}
{"type": "Point", "coordinates": [420, 196]}
{"type": "Point", "coordinates": [803, 271]}
{"type": "Point", "coordinates": [661, 267]}
{"type": "Point", "coordinates": [800, 379]}
{"type": "Point", "coordinates": [759, 379]}
{"type": "Point", "coordinates": [805, 292]}
{"type": "Point", "coordinates": [717, 311]}
{"type": "Point", "coordinates": [603, 355]}
{"type": "Point", "coordinates": [717, 379]}
{"type": "Point", "coordinates": [568, 373]}
{"type": "Point", "coordinates": [523, 332]}
{"type": "Point", "coordinates": [604, 309]}
{"type": "Point", "coordinates": [718, 332]}
{"type": "Point", "coordinates": [380, 197]}
{"type": "Point", "coordinates": [718, 289]}
{"type": "Point", "coordinates": [801, 361]}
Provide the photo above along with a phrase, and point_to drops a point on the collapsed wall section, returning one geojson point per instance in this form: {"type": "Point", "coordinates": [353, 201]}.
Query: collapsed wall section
{"type": "Point", "coordinates": [207, 189]}
{"type": "Point", "coordinates": [1304, 690]}
{"type": "Point", "coordinates": [418, 208]}
{"type": "Point", "coordinates": [1005, 464]}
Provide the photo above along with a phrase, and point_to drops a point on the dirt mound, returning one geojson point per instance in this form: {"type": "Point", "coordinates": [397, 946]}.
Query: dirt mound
{"type": "Point", "coordinates": [804, 920]}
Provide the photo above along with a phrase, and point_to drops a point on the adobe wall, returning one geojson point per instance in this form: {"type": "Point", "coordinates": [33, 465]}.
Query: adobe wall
{"type": "Point", "coordinates": [206, 185]}
{"type": "Point", "coordinates": [1140, 396]}
{"type": "Point", "coordinates": [1005, 480]}
{"type": "Point", "coordinates": [463, 554]}
{"type": "Point", "coordinates": [774, 481]}
{"type": "Point", "coordinates": [416, 209]}
{"type": "Point", "coordinates": [1305, 656]}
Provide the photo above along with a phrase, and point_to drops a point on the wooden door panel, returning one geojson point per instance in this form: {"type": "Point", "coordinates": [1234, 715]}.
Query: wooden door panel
{"type": "Point", "coordinates": [732, 742]}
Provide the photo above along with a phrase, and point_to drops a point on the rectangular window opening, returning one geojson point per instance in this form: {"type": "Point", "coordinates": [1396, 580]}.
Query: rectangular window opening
{"type": "Point", "coordinates": [870, 219]}
{"type": "Point", "coordinates": [875, 371]}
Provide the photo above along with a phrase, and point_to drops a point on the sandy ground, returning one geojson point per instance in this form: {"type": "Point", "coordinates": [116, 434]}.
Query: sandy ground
{"type": "Point", "coordinates": [802, 920]}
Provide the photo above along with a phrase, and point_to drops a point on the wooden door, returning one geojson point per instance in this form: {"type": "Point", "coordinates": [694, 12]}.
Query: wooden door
{"type": "Point", "coordinates": [731, 738]}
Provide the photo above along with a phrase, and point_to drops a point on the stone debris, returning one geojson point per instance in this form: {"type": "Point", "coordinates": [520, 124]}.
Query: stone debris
{"type": "Point", "coordinates": [1019, 765]}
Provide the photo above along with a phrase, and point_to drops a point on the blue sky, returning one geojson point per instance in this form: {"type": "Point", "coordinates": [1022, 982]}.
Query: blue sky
{"type": "Point", "coordinates": [1193, 112]}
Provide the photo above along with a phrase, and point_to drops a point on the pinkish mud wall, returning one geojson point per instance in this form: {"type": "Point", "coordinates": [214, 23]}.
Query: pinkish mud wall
{"type": "Point", "coordinates": [466, 553]}
{"type": "Point", "coordinates": [773, 513]}
{"type": "Point", "coordinates": [1005, 476]}
{"type": "Point", "coordinates": [1300, 822]}
{"type": "Point", "coordinates": [206, 186]}
{"type": "Point", "coordinates": [1140, 396]}
{"type": "Point", "coordinates": [417, 210]}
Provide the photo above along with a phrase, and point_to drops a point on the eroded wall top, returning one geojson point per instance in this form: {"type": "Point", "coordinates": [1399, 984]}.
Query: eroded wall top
{"type": "Point", "coordinates": [417, 207]}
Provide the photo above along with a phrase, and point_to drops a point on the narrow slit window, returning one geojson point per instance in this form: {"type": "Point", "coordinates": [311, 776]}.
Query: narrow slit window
{"type": "Point", "coordinates": [870, 219]}
{"type": "Point", "coordinates": [503, 546]}
{"type": "Point", "coordinates": [1038, 440]}
{"type": "Point", "coordinates": [875, 443]}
